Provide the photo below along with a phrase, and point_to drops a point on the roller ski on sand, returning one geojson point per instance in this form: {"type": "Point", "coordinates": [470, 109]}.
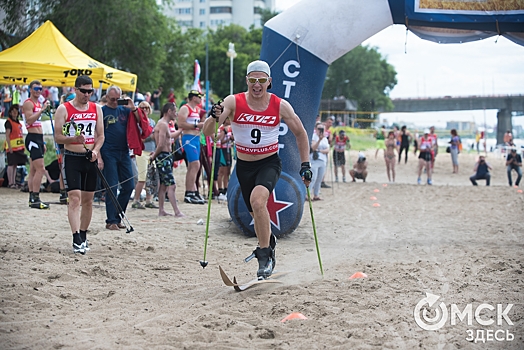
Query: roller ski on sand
{"type": "Point", "coordinates": [240, 287]}
{"type": "Point", "coordinates": [266, 264]}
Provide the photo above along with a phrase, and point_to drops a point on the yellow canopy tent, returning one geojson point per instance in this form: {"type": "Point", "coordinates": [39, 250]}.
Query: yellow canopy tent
{"type": "Point", "coordinates": [48, 56]}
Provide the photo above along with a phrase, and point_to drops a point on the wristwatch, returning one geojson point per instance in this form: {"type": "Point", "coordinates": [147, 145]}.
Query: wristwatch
{"type": "Point", "coordinates": [196, 124]}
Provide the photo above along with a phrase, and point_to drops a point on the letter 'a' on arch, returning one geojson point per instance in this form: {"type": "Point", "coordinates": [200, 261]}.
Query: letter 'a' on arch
{"type": "Point", "coordinates": [300, 43]}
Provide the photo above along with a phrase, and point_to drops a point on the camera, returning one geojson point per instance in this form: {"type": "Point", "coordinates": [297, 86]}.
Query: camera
{"type": "Point", "coordinates": [321, 130]}
{"type": "Point", "coordinates": [122, 101]}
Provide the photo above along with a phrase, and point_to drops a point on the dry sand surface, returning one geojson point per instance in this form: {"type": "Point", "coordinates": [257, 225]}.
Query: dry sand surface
{"type": "Point", "coordinates": [146, 289]}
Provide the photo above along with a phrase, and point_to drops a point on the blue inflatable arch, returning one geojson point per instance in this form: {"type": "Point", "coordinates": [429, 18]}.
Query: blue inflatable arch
{"type": "Point", "coordinates": [300, 43]}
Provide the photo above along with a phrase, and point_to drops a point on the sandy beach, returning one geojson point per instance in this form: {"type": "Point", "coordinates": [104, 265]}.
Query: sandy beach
{"type": "Point", "coordinates": [147, 290]}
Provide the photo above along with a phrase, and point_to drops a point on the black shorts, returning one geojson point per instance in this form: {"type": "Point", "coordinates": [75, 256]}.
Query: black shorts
{"type": "Point", "coordinates": [16, 158]}
{"type": "Point", "coordinates": [425, 155]}
{"type": "Point", "coordinates": [80, 173]}
{"type": "Point", "coordinates": [359, 176]}
{"type": "Point", "coordinates": [339, 158]}
{"type": "Point", "coordinates": [34, 143]}
{"type": "Point", "coordinates": [265, 172]}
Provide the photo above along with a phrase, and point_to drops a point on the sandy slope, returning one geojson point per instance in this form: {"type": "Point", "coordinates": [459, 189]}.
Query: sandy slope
{"type": "Point", "coordinates": [146, 290]}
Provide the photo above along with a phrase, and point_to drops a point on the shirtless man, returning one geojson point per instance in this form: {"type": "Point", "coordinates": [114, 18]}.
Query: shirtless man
{"type": "Point", "coordinates": [360, 168]}
{"type": "Point", "coordinates": [164, 159]}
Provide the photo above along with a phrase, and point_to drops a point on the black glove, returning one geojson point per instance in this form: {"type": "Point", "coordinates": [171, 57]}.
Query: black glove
{"type": "Point", "coordinates": [305, 171]}
{"type": "Point", "coordinates": [89, 154]}
{"type": "Point", "coordinates": [212, 110]}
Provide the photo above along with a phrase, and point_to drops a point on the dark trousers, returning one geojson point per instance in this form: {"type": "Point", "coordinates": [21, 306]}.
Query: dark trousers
{"type": "Point", "coordinates": [519, 174]}
{"type": "Point", "coordinates": [475, 177]}
{"type": "Point", "coordinates": [118, 172]}
{"type": "Point", "coordinates": [403, 148]}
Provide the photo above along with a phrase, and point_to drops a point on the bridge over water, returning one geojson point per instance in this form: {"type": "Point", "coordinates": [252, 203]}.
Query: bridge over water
{"type": "Point", "coordinates": [507, 106]}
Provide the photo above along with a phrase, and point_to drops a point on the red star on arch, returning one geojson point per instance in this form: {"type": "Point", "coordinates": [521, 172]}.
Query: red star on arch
{"type": "Point", "coordinates": [274, 206]}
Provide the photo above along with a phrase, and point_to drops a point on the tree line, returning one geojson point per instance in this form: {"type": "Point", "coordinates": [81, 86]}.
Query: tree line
{"type": "Point", "coordinates": [137, 36]}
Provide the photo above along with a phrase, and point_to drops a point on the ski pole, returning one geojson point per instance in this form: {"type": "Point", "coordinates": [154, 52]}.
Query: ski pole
{"type": "Point", "coordinates": [203, 262]}
{"type": "Point", "coordinates": [314, 230]}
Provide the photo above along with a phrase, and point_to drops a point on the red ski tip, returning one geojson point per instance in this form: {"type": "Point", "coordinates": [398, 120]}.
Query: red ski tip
{"type": "Point", "coordinates": [294, 316]}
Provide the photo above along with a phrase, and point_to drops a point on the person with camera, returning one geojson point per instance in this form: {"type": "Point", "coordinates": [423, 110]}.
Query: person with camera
{"type": "Point", "coordinates": [360, 168]}
{"type": "Point", "coordinates": [514, 162]}
{"type": "Point", "coordinates": [125, 127]}
{"type": "Point", "coordinates": [259, 166]}
{"type": "Point", "coordinates": [318, 158]}
{"type": "Point", "coordinates": [81, 151]}
{"type": "Point", "coordinates": [481, 170]}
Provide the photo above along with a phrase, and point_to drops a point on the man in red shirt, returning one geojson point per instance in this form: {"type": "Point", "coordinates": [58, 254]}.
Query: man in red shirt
{"type": "Point", "coordinates": [255, 117]}
{"type": "Point", "coordinates": [81, 151]}
{"type": "Point", "coordinates": [34, 143]}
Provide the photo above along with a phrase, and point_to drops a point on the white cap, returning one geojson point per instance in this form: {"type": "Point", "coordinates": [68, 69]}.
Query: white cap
{"type": "Point", "coordinates": [361, 155]}
{"type": "Point", "coordinates": [426, 131]}
{"type": "Point", "coordinates": [259, 66]}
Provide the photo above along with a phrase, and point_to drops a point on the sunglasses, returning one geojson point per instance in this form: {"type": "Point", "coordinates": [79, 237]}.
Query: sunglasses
{"type": "Point", "coordinates": [37, 88]}
{"type": "Point", "coordinates": [85, 91]}
{"type": "Point", "coordinates": [113, 99]}
{"type": "Point", "coordinates": [144, 108]}
{"type": "Point", "coordinates": [257, 80]}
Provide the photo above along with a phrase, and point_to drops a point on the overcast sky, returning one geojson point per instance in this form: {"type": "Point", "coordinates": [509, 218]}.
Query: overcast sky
{"type": "Point", "coordinates": [494, 66]}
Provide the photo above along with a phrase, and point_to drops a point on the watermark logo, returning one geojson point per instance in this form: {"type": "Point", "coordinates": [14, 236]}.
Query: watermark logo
{"type": "Point", "coordinates": [427, 322]}
{"type": "Point", "coordinates": [431, 315]}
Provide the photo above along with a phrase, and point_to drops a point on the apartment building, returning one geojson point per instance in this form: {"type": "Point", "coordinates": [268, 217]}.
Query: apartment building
{"type": "Point", "coordinates": [205, 14]}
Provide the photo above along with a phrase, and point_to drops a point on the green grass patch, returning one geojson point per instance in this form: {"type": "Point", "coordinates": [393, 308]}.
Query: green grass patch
{"type": "Point", "coordinates": [361, 142]}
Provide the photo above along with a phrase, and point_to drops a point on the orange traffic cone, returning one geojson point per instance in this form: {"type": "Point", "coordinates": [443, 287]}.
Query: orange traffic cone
{"type": "Point", "coordinates": [376, 205]}
{"type": "Point", "coordinates": [294, 316]}
{"type": "Point", "coordinates": [373, 198]}
{"type": "Point", "coordinates": [358, 275]}
{"type": "Point", "coordinates": [376, 190]}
